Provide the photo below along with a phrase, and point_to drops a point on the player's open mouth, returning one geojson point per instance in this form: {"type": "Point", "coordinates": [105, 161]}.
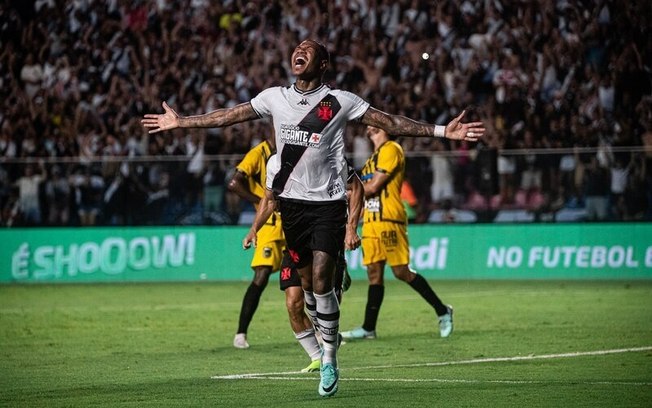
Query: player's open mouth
{"type": "Point", "coordinates": [300, 61]}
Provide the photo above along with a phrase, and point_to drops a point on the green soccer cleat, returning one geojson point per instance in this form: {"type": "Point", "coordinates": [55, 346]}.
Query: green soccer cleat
{"type": "Point", "coordinates": [359, 333]}
{"type": "Point", "coordinates": [446, 322]}
{"type": "Point", "coordinates": [328, 383]}
{"type": "Point", "coordinates": [312, 367]}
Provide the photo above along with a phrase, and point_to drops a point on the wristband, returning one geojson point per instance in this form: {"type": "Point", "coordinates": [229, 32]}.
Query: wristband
{"type": "Point", "coordinates": [440, 131]}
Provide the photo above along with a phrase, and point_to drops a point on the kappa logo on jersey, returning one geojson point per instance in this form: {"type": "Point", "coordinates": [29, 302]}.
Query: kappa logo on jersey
{"type": "Point", "coordinates": [324, 111]}
{"type": "Point", "coordinates": [295, 135]}
{"type": "Point", "coordinates": [303, 101]}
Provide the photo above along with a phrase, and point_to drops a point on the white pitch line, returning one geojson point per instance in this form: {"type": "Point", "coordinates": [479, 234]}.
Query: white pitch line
{"type": "Point", "coordinates": [450, 363]}
{"type": "Point", "coordinates": [452, 381]}
{"type": "Point", "coordinates": [515, 358]}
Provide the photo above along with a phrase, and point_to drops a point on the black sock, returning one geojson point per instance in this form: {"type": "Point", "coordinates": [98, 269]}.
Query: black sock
{"type": "Point", "coordinates": [421, 285]}
{"type": "Point", "coordinates": [375, 296]}
{"type": "Point", "coordinates": [249, 306]}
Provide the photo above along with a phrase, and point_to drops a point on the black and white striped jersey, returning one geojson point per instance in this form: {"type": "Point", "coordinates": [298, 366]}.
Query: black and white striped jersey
{"type": "Point", "coordinates": [309, 130]}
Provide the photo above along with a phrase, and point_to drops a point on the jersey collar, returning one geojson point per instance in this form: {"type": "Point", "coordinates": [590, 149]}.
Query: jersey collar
{"type": "Point", "coordinates": [312, 91]}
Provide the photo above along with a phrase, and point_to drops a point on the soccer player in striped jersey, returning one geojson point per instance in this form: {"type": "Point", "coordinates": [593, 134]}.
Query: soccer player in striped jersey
{"type": "Point", "coordinates": [310, 119]}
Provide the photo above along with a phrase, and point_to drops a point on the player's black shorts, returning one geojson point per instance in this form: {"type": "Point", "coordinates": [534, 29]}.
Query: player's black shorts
{"type": "Point", "coordinates": [289, 275]}
{"type": "Point", "coordinates": [313, 227]}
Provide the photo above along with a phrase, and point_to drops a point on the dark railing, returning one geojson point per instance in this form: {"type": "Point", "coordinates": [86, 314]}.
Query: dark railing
{"type": "Point", "coordinates": [480, 185]}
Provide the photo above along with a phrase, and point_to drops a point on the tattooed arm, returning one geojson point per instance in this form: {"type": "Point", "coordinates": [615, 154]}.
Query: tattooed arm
{"type": "Point", "coordinates": [397, 125]}
{"type": "Point", "coordinates": [217, 118]}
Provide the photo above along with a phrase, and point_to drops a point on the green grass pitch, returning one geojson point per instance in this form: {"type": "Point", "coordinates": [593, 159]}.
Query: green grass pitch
{"type": "Point", "coordinates": [515, 344]}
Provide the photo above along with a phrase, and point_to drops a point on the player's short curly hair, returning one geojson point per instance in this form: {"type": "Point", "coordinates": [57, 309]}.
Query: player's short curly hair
{"type": "Point", "coordinates": [322, 52]}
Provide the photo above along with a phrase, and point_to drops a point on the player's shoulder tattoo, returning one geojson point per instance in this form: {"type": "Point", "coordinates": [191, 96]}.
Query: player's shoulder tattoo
{"type": "Point", "coordinates": [374, 117]}
{"type": "Point", "coordinates": [244, 112]}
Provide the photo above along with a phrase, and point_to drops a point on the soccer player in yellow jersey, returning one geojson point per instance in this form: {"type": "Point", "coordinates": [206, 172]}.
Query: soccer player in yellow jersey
{"type": "Point", "coordinates": [248, 182]}
{"type": "Point", "coordinates": [384, 235]}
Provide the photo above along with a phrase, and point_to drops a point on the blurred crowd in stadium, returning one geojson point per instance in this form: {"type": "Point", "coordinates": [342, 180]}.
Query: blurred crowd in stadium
{"type": "Point", "coordinates": [77, 76]}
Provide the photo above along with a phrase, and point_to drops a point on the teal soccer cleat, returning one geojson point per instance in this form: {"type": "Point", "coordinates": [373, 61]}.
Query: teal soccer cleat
{"type": "Point", "coordinates": [328, 383]}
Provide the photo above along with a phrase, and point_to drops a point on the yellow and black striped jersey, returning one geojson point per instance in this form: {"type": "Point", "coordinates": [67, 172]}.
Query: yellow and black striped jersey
{"type": "Point", "coordinates": [254, 166]}
{"type": "Point", "coordinates": [387, 204]}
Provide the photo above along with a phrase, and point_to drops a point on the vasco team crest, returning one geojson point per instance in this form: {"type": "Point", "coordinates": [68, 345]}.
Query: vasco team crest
{"type": "Point", "coordinates": [324, 111]}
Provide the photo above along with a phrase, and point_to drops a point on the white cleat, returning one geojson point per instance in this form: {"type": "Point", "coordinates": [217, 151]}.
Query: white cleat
{"type": "Point", "coordinates": [240, 341]}
{"type": "Point", "coordinates": [446, 322]}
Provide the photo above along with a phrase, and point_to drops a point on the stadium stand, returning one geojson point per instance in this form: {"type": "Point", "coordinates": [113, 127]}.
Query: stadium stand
{"type": "Point", "coordinates": [556, 83]}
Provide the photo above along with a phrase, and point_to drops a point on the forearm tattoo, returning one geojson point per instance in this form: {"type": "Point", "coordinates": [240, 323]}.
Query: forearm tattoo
{"type": "Point", "coordinates": [396, 125]}
{"type": "Point", "coordinates": [221, 117]}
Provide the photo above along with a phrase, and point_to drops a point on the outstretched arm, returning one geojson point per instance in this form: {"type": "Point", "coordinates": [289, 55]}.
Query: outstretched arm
{"type": "Point", "coordinates": [169, 119]}
{"type": "Point", "coordinates": [397, 125]}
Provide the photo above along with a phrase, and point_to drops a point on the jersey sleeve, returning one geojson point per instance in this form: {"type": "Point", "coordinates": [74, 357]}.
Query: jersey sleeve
{"type": "Point", "coordinates": [356, 106]}
{"type": "Point", "coordinates": [263, 102]}
{"type": "Point", "coordinates": [351, 172]}
{"type": "Point", "coordinates": [389, 158]}
{"type": "Point", "coordinates": [272, 169]}
{"type": "Point", "coordinates": [250, 164]}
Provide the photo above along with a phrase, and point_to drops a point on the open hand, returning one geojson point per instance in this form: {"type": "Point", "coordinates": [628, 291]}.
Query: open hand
{"type": "Point", "coordinates": [158, 122]}
{"type": "Point", "coordinates": [464, 131]}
